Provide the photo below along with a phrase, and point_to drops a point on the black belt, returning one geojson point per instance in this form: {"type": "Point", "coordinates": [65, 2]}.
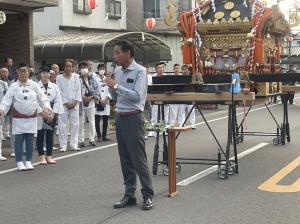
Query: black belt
{"type": "Point", "coordinates": [127, 114]}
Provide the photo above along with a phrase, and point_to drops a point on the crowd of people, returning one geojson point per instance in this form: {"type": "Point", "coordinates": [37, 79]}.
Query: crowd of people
{"type": "Point", "coordinates": [64, 102]}
{"type": "Point", "coordinates": [34, 106]}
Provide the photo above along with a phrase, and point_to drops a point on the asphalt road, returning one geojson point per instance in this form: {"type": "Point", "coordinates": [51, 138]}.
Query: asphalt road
{"type": "Point", "coordinates": [82, 187]}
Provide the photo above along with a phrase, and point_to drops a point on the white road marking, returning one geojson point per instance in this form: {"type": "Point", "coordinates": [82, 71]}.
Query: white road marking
{"type": "Point", "coordinates": [215, 167]}
{"type": "Point", "coordinates": [66, 156]}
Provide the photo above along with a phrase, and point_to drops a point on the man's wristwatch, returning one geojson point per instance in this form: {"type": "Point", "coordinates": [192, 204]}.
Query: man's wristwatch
{"type": "Point", "coordinates": [116, 86]}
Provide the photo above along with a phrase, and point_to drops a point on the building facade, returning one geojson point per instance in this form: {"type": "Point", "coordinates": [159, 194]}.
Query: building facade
{"type": "Point", "coordinates": [166, 14]}
{"type": "Point", "coordinates": [16, 28]}
{"type": "Point", "coordinates": [74, 30]}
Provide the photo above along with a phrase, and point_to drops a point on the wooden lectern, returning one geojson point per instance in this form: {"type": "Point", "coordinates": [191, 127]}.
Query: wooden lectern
{"type": "Point", "coordinates": [172, 157]}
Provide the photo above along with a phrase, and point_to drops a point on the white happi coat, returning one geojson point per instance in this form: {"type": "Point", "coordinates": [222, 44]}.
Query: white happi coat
{"type": "Point", "coordinates": [26, 99]}
{"type": "Point", "coordinates": [103, 91]}
{"type": "Point", "coordinates": [70, 89]}
{"type": "Point", "coordinates": [53, 94]}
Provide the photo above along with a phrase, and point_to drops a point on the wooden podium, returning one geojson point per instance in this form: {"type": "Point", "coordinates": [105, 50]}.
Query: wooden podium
{"type": "Point", "coordinates": [172, 157]}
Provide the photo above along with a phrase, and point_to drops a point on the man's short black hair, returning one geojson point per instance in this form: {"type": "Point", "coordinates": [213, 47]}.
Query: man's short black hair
{"type": "Point", "coordinates": [176, 65]}
{"type": "Point", "coordinates": [22, 64]}
{"type": "Point", "coordinates": [160, 63]}
{"type": "Point", "coordinates": [44, 68]}
{"type": "Point", "coordinates": [125, 47]}
{"type": "Point", "coordinates": [101, 66]}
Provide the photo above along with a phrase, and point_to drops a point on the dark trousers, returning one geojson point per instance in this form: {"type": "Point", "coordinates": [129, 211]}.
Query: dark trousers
{"type": "Point", "coordinates": [131, 145]}
{"type": "Point", "coordinates": [104, 125]}
{"type": "Point", "coordinates": [40, 141]}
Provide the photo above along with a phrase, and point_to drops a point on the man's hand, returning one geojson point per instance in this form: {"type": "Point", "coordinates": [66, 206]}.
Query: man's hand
{"type": "Point", "coordinates": [50, 118]}
{"type": "Point", "coordinates": [110, 82]}
{"type": "Point", "coordinates": [45, 113]}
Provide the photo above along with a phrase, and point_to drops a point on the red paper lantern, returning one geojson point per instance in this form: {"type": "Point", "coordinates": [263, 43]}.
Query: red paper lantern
{"type": "Point", "coordinates": [290, 39]}
{"type": "Point", "coordinates": [93, 3]}
{"type": "Point", "coordinates": [150, 23]}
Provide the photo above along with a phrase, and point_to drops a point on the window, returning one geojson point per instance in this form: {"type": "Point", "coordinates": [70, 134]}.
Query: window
{"type": "Point", "coordinates": [158, 8]}
{"type": "Point", "coordinates": [184, 5]}
{"type": "Point", "coordinates": [113, 9]}
{"type": "Point", "coordinates": [81, 6]}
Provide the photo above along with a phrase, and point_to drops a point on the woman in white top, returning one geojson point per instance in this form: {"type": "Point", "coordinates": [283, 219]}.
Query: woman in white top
{"type": "Point", "coordinates": [103, 107]}
{"type": "Point", "coordinates": [46, 127]}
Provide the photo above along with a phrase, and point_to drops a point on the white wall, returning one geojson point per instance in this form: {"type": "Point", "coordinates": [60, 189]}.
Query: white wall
{"type": "Point", "coordinates": [47, 22]}
{"type": "Point", "coordinates": [94, 20]}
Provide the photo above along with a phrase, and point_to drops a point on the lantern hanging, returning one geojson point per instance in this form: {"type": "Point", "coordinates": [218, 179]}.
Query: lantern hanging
{"type": "Point", "coordinates": [290, 39]}
{"type": "Point", "coordinates": [93, 3]}
{"type": "Point", "coordinates": [150, 23]}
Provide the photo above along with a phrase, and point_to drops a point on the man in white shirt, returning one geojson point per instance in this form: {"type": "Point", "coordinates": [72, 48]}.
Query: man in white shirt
{"type": "Point", "coordinates": [70, 90]}
{"type": "Point", "coordinates": [160, 71]}
{"type": "Point", "coordinates": [174, 108]}
{"type": "Point", "coordinates": [181, 114]}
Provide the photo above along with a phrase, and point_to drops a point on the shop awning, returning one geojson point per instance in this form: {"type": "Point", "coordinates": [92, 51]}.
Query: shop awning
{"type": "Point", "coordinates": [99, 46]}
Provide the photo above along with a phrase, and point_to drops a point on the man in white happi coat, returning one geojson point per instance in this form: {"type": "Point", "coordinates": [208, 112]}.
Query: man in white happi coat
{"type": "Point", "coordinates": [181, 113]}
{"type": "Point", "coordinates": [7, 121]}
{"type": "Point", "coordinates": [27, 101]}
{"type": "Point", "coordinates": [70, 90]}
{"type": "Point", "coordinates": [89, 93]}
{"type": "Point", "coordinates": [174, 108]}
{"type": "Point", "coordinates": [3, 89]}
{"type": "Point", "coordinates": [102, 106]}
{"type": "Point", "coordinates": [46, 126]}
{"type": "Point", "coordinates": [160, 71]}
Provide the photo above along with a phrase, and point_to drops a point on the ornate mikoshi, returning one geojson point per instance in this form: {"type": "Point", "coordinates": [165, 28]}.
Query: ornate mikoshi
{"type": "Point", "coordinates": [233, 36]}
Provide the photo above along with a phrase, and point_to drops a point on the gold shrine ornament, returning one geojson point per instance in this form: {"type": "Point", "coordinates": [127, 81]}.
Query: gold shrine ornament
{"type": "Point", "coordinates": [2, 17]}
{"type": "Point", "coordinates": [235, 14]}
{"type": "Point", "coordinates": [219, 15]}
{"type": "Point", "coordinates": [229, 5]}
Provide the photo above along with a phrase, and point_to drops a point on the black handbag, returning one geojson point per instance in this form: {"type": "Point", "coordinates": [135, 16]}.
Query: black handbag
{"type": "Point", "coordinates": [100, 107]}
{"type": "Point", "coordinates": [86, 104]}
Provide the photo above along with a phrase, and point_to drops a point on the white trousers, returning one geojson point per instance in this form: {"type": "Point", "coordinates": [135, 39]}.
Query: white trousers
{"type": "Point", "coordinates": [73, 115]}
{"type": "Point", "coordinates": [174, 115]}
{"type": "Point", "coordinates": [181, 115]}
{"type": "Point", "coordinates": [154, 113]}
{"type": "Point", "coordinates": [0, 140]}
{"type": "Point", "coordinates": [6, 126]}
{"type": "Point", "coordinates": [90, 114]}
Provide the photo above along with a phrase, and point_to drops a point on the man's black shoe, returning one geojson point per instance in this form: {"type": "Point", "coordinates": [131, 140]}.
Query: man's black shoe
{"type": "Point", "coordinates": [126, 201]}
{"type": "Point", "coordinates": [105, 139]}
{"type": "Point", "coordinates": [93, 143]}
{"type": "Point", "coordinates": [81, 144]}
{"type": "Point", "coordinates": [147, 204]}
